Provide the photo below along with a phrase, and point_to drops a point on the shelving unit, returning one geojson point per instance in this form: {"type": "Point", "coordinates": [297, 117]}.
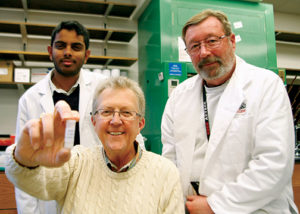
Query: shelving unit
{"type": "Point", "coordinates": [25, 33]}
{"type": "Point", "coordinates": [291, 39]}
{"type": "Point", "coordinates": [25, 29]}
{"type": "Point", "coordinates": [104, 35]}
{"type": "Point", "coordinates": [285, 36]}
{"type": "Point", "coordinates": [106, 8]}
{"type": "Point", "coordinates": [110, 41]}
{"type": "Point", "coordinates": [44, 57]}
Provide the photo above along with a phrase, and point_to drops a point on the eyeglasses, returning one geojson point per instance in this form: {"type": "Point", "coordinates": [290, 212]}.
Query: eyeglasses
{"type": "Point", "coordinates": [209, 43]}
{"type": "Point", "coordinates": [106, 114]}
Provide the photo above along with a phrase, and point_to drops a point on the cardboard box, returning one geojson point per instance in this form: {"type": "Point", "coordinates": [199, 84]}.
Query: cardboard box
{"type": "Point", "coordinates": [22, 75]}
{"type": "Point", "coordinates": [6, 71]}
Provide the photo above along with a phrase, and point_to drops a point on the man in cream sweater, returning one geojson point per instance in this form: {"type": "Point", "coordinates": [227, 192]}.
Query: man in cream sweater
{"type": "Point", "coordinates": [119, 177]}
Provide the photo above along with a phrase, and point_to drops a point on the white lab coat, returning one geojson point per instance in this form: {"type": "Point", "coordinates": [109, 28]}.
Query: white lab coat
{"type": "Point", "coordinates": [38, 99]}
{"type": "Point", "coordinates": [249, 160]}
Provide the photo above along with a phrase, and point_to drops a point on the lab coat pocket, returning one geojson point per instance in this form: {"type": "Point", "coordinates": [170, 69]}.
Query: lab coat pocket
{"type": "Point", "coordinates": [238, 141]}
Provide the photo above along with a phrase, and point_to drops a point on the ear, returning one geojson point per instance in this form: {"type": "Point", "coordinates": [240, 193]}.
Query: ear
{"type": "Point", "coordinates": [50, 52]}
{"type": "Point", "coordinates": [232, 39]}
{"type": "Point", "coordinates": [142, 123]}
{"type": "Point", "coordinates": [93, 120]}
{"type": "Point", "coordinates": [87, 55]}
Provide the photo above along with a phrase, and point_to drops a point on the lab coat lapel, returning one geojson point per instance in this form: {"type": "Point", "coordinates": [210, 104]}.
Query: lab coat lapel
{"type": "Point", "coordinates": [84, 97]}
{"type": "Point", "coordinates": [230, 102]}
{"type": "Point", "coordinates": [46, 100]}
{"type": "Point", "coordinates": [186, 130]}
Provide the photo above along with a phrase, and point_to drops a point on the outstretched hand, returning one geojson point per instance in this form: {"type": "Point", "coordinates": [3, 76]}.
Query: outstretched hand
{"type": "Point", "coordinates": [42, 140]}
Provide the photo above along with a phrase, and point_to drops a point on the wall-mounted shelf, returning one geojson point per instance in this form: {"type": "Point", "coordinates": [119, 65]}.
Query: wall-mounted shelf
{"type": "Point", "coordinates": [105, 8]}
{"type": "Point", "coordinates": [15, 85]}
{"type": "Point", "coordinates": [44, 57]}
{"type": "Point", "coordinates": [25, 28]}
{"type": "Point", "coordinates": [284, 36]}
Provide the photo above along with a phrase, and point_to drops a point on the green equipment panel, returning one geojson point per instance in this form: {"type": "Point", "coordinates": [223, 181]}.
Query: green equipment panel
{"type": "Point", "coordinates": [161, 66]}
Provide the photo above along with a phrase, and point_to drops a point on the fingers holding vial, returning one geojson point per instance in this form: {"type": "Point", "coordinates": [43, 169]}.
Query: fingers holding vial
{"type": "Point", "coordinates": [63, 113]}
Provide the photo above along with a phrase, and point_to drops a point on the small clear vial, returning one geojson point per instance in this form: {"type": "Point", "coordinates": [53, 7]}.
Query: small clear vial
{"type": "Point", "coordinates": [70, 133]}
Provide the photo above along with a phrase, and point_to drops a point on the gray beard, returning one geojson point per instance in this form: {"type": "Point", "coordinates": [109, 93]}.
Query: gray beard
{"type": "Point", "coordinates": [220, 72]}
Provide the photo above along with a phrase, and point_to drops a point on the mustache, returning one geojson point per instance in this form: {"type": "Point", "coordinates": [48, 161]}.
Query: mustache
{"type": "Point", "coordinates": [209, 60]}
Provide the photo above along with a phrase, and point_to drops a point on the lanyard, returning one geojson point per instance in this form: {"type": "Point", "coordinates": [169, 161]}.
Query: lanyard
{"type": "Point", "coordinates": [205, 112]}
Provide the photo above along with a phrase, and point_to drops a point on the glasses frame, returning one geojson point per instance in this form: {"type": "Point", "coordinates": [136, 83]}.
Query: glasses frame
{"type": "Point", "coordinates": [219, 38]}
{"type": "Point", "coordinates": [113, 114]}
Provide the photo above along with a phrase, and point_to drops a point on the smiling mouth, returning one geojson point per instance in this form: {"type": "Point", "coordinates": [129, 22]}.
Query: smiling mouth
{"type": "Point", "coordinates": [115, 133]}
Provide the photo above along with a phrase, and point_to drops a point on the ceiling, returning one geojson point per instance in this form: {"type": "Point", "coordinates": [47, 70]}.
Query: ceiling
{"type": "Point", "coordinates": [285, 6]}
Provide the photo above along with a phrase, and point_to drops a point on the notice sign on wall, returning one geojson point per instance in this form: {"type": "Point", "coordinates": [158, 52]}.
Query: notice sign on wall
{"type": "Point", "coordinates": [175, 69]}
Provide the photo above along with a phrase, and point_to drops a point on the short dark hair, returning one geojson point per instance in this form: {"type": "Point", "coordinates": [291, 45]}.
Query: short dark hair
{"type": "Point", "coordinates": [72, 25]}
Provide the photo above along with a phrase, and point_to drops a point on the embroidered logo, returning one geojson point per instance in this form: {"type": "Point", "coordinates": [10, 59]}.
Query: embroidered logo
{"type": "Point", "coordinates": [242, 108]}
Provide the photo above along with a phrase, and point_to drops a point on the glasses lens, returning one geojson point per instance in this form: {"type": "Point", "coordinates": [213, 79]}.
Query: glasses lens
{"type": "Point", "coordinates": [109, 114]}
{"type": "Point", "coordinates": [209, 43]}
{"type": "Point", "coordinates": [212, 42]}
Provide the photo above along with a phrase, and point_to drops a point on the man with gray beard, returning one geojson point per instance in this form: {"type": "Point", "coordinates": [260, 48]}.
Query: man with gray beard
{"type": "Point", "coordinates": [229, 129]}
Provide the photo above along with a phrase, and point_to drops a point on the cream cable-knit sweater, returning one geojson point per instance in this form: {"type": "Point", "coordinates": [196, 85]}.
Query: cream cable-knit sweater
{"type": "Point", "coordinates": [85, 184]}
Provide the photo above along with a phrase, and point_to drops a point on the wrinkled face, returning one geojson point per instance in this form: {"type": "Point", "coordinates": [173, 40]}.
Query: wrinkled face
{"type": "Point", "coordinates": [116, 135]}
{"type": "Point", "coordinates": [215, 62]}
{"type": "Point", "coordinates": [68, 52]}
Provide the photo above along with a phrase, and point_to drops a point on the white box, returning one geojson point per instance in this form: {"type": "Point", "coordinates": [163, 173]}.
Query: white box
{"type": "Point", "coordinates": [22, 75]}
{"type": "Point", "coordinates": [38, 74]}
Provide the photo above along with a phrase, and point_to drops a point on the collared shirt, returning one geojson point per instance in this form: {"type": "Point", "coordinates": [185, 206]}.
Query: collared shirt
{"type": "Point", "coordinates": [59, 90]}
{"type": "Point", "coordinates": [127, 166]}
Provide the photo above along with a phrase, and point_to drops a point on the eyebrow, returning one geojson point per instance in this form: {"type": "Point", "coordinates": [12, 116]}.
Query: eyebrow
{"type": "Point", "coordinates": [74, 43]}
{"type": "Point", "coordinates": [208, 36]}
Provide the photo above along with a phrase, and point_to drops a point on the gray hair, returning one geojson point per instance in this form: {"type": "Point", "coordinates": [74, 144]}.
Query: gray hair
{"type": "Point", "coordinates": [203, 15]}
{"type": "Point", "coordinates": [119, 83]}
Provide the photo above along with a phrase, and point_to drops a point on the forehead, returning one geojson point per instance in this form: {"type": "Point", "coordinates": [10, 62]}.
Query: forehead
{"type": "Point", "coordinates": [211, 26]}
{"type": "Point", "coordinates": [69, 36]}
{"type": "Point", "coordinates": [118, 98]}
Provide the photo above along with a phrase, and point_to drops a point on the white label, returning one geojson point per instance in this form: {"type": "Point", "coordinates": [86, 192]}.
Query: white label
{"type": "Point", "coordinates": [238, 38]}
{"type": "Point", "coordinates": [161, 76]}
{"type": "Point", "coordinates": [3, 71]}
{"type": "Point", "coordinates": [238, 25]}
{"type": "Point", "coordinates": [22, 74]}
{"type": "Point", "coordinates": [182, 54]}
{"type": "Point", "coordinates": [70, 133]}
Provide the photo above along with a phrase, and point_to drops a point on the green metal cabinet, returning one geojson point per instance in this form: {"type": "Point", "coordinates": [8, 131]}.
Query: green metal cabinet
{"type": "Point", "coordinates": [159, 29]}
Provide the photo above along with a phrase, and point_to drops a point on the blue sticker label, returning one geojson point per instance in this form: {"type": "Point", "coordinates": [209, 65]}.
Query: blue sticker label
{"type": "Point", "coordinates": [175, 69]}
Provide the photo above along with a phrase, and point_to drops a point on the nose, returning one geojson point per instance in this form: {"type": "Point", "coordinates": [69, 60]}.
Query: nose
{"type": "Point", "coordinates": [116, 118]}
{"type": "Point", "coordinates": [68, 51]}
{"type": "Point", "coordinates": [204, 51]}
